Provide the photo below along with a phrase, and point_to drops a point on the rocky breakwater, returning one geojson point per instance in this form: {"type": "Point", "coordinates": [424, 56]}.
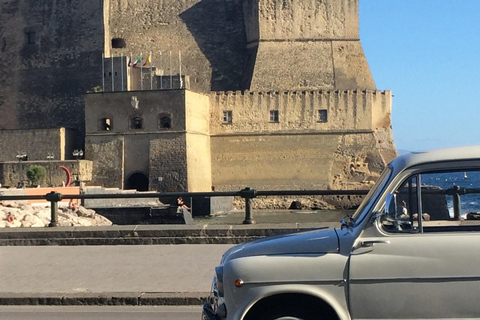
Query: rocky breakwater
{"type": "Point", "coordinates": [15, 215]}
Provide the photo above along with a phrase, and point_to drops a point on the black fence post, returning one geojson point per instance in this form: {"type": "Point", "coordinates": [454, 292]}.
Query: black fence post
{"type": "Point", "coordinates": [248, 194]}
{"type": "Point", "coordinates": [53, 197]}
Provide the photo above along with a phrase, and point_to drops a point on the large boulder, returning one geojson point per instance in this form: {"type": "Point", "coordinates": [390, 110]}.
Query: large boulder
{"type": "Point", "coordinates": [13, 215]}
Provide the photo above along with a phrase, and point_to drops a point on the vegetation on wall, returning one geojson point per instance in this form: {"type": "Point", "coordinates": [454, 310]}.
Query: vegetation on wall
{"type": "Point", "coordinates": [36, 173]}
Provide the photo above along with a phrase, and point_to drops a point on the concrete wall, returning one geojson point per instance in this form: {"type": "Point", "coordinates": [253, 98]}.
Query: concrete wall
{"type": "Point", "coordinates": [13, 172]}
{"type": "Point", "coordinates": [37, 144]}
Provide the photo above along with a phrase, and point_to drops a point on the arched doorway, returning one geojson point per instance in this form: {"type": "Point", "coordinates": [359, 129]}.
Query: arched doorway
{"type": "Point", "coordinates": [137, 180]}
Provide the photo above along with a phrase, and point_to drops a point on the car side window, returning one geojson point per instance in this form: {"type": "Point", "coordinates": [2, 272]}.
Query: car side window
{"type": "Point", "coordinates": [446, 201]}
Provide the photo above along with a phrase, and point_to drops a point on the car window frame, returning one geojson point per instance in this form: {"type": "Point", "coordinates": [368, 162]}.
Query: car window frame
{"type": "Point", "coordinates": [407, 173]}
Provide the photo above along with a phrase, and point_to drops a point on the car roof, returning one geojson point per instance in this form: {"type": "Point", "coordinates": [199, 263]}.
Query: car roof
{"type": "Point", "coordinates": [446, 154]}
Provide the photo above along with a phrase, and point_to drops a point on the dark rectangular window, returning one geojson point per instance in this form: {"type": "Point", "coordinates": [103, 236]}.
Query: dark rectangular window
{"type": "Point", "coordinates": [30, 37]}
{"type": "Point", "coordinates": [136, 123]}
{"type": "Point", "coordinates": [227, 116]}
{"type": "Point", "coordinates": [105, 124]}
{"type": "Point", "coordinates": [273, 115]}
{"type": "Point", "coordinates": [322, 115]}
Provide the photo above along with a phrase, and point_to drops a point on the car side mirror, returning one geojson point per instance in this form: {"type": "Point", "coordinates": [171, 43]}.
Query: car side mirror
{"type": "Point", "coordinates": [391, 206]}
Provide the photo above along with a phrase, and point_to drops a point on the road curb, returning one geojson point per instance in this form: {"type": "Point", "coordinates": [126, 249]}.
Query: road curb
{"type": "Point", "coordinates": [104, 299]}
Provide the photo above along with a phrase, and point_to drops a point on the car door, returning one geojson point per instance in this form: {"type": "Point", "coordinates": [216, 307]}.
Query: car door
{"type": "Point", "coordinates": [404, 267]}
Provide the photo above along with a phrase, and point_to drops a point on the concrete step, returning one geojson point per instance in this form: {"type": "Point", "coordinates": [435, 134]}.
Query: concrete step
{"type": "Point", "coordinates": [147, 234]}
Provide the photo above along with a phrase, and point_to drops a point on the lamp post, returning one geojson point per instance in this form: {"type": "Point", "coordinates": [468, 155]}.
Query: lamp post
{"type": "Point", "coordinates": [78, 154]}
{"type": "Point", "coordinates": [21, 156]}
{"type": "Point", "coordinates": [50, 157]}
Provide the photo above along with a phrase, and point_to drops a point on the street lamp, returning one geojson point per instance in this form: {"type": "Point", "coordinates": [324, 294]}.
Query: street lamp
{"type": "Point", "coordinates": [50, 157]}
{"type": "Point", "coordinates": [21, 156]}
{"type": "Point", "coordinates": [78, 153]}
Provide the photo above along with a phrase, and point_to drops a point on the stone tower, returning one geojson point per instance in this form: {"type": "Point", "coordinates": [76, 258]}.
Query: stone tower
{"type": "Point", "coordinates": [309, 44]}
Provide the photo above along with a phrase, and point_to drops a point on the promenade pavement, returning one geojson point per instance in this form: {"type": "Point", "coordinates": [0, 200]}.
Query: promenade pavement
{"type": "Point", "coordinates": [168, 265]}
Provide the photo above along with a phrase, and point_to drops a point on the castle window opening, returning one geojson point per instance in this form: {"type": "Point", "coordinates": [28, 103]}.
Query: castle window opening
{"type": "Point", "coordinates": [273, 115]}
{"type": "Point", "coordinates": [30, 37]}
{"type": "Point", "coordinates": [105, 124]}
{"type": "Point", "coordinates": [322, 115]}
{"type": "Point", "coordinates": [118, 43]}
{"type": "Point", "coordinates": [165, 121]}
{"type": "Point", "coordinates": [227, 116]}
{"type": "Point", "coordinates": [136, 123]}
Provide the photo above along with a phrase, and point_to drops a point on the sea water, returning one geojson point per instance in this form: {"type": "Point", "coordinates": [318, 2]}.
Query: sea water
{"type": "Point", "coordinates": [465, 180]}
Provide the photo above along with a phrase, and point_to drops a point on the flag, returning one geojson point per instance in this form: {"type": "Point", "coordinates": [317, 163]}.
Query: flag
{"type": "Point", "coordinates": [137, 61]}
{"type": "Point", "coordinates": [149, 59]}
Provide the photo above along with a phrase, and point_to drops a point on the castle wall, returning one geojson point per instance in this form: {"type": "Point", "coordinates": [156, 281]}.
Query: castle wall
{"type": "Point", "coordinates": [305, 45]}
{"type": "Point", "coordinates": [198, 142]}
{"type": "Point", "coordinates": [37, 144]}
{"type": "Point", "coordinates": [210, 35]}
{"type": "Point", "coordinates": [298, 110]}
{"type": "Point", "coordinates": [299, 152]}
{"type": "Point", "coordinates": [292, 19]}
{"type": "Point", "coordinates": [168, 165]}
{"type": "Point", "coordinates": [117, 106]}
{"type": "Point", "coordinates": [295, 161]}
{"type": "Point", "coordinates": [163, 154]}
{"type": "Point", "coordinates": [108, 154]}
{"type": "Point", "coordinates": [49, 75]}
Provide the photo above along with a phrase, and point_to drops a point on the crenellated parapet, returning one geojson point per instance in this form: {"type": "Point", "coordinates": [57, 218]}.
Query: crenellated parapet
{"type": "Point", "coordinates": [301, 111]}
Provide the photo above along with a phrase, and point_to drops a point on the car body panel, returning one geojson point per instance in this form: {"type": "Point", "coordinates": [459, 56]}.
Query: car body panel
{"type": "Point", "coordinates": [301, 242]}
{"type": "Point", "coordinates": [320, 275]}
{"type": "Point", "coordinates": [416, 276]}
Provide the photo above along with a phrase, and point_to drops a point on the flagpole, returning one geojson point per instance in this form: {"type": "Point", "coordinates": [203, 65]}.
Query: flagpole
{"type": "Point", "coordinates": [121, 64]}
{"type": "Point", "coordinates": [113, 79]}
{"type": "Point", "coordinates": [180, 67]}
{"type": "Point", "coordinates": [151, 75]}
{"type": "Point", "coordinates": [103, 72]}
{"type": "Point", "coordinates": [161, 75]}
{"type": "Point", "coordinates": [141, 72]}
{"type": "Point", "coordinates": [171, 80]}
{"type": "Point", "coordinates": [130, 65]}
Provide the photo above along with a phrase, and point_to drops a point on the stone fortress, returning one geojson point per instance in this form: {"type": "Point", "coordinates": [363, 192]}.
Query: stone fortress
{"type": "Point", "coordinates": [271, 94]}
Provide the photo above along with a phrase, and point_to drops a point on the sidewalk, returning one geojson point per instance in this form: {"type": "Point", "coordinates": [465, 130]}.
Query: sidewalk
{"type": "Point", "coordinates": [107, 275]}
{"type": "Point", "coordinates": [122, 265]}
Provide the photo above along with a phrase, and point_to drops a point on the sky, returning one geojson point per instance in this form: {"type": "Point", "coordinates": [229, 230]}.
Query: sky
{"type": "Point", "coordinates": [427, 52]}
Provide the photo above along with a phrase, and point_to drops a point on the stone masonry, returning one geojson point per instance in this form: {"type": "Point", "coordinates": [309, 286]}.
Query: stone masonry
{"type": "Point", "coordinates": [291, 75]}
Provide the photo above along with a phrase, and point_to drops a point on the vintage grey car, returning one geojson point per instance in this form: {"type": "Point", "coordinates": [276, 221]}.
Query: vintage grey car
{"type": "Point", "coordinates": [410, 251]}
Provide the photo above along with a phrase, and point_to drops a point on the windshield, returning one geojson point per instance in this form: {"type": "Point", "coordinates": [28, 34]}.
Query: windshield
{"type": "Point", "coordinates": [370, 197]}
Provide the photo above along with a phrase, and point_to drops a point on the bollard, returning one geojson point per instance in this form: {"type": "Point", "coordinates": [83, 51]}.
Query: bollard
{"type": "Point", "coordinates": [456, 202]}
{"type": "Point", "coordinates": [53, 197]}
{"type": "Point", "coordinates": [248, 194]}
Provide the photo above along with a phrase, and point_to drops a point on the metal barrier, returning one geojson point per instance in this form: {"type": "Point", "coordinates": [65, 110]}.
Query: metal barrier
{"type": "Point", "coordinates": [247, 194]}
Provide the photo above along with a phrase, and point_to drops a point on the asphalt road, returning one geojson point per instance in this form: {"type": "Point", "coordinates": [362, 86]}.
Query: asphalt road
{"type": "Point", "coordinates": [103, 313]}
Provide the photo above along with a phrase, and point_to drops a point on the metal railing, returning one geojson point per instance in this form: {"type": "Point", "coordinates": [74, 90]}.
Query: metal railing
{"type": "Point", "coordinates": [248, 194]}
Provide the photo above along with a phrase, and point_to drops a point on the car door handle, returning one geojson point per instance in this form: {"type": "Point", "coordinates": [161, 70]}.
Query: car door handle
{"type": "Point", "coordinates": [372, 242]}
